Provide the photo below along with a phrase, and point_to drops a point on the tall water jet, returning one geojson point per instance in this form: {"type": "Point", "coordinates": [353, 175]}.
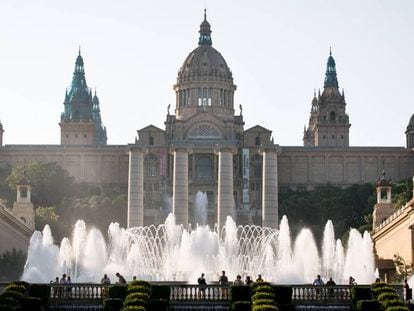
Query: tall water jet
{"type": "Point", "coordinates": [201, 208]}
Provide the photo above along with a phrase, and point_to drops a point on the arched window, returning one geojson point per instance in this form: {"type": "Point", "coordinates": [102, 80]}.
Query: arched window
{"type": "Point", "coordinates": [204, 168]}
{"type": "Point", "coordinates": [332, 116]}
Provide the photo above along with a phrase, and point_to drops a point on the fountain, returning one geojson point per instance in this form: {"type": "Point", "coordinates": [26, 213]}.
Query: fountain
{"type": "Point", "coordinates": [169, 252]}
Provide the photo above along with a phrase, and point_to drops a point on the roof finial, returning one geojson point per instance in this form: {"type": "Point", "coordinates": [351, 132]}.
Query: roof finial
{"type": "Point", "coordinates": [314, 92]}
{"type": "Point", "coordinates": [330, 50]}
{"type": "Point", "coordinates": [205, 14]}
{"type": "Point", "coordinates": [79, 49]}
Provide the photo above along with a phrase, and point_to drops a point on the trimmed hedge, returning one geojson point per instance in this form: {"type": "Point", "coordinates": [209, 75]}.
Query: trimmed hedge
{"type": "Point", "coordinates": [241, 306]}
{"type": "Point", "coordinates": [15, 288]}
{"type": "Point", "coordinates": [260, 302]}
{"type": "Point", "coordinates": [138, 289]}
{"type": "Point", "coordinates": [265, 308]}
{"type": "Point", "coordinates": [283, 294]}
{"type": "Point", "coordinates": [379, 284]}
{"type": "Point", "coordinates": [239, 293]}
{"type": "Point", "coordinates": [262, 295]}
{"type": "Point", "coordinates": [140, 283]}
{"type": "Point", "coordinates": [386, 289]}
{"type": "Point", "coordinates": [117, 291]}
{"type": "Point", "coordinates": [397, 309]}
{"type": "Point", "coordinates": [21, 283]}
{"type": "Point", "coordinates": [135, 302]}
{"type": "Point", "coordinates": [133, 308]}
{"type": "Point", "coordinates": [31, 304]}
{"type": "Point", "coordinates": [255, 285]}
{"type": "Point", "coordinates": [160, 292]}
{"type": "Point", "coordinates": [11, 294]}
{"type": "Point", "coordinates": [360, 293]}
{"type": "Point", "coordinates": [367, 305]}
{"type": "Point", "coordinates": [158, 305]}
{"type": "Point", "coordinates": [393, 303]}
{"type": "Point", "coordinates": [113, 304]}
{"type": "Point", "coordinates": [138, 295]}
{"type": "Point", "coordinates": [387, 296]}
{"type": "Point", "coordinates": [264, 289]}
{"type": "Point", "coordinates": [41, 291]}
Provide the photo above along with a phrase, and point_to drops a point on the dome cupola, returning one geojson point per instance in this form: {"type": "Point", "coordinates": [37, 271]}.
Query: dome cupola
{"type": "Point", "coordinates": [204, 80]}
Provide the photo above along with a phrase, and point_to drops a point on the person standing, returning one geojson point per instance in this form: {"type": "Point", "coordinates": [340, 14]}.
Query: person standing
{"type": "Point", "coordinates": [248, 281]}
{"type": "Point", "coordinates": [223, 282]}
{"type": "Point", "coordinates": [318, 282]}
{"type": "Point", "coordinates": [259, 278]}
{"type": "Point", "coordinates": [202, 283]}
{"type": "Point", "coordinates": [105, 280]}
{"type": "Point", "coordinates": [238, 281]}
{"type": "Point", "coordinates": [407, 291]}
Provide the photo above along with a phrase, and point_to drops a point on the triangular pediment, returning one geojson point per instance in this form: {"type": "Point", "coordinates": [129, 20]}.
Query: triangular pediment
{"type": "Point", "coordinates": [257, 128]}
{"type": "Point", "coordinates": [150, 128]}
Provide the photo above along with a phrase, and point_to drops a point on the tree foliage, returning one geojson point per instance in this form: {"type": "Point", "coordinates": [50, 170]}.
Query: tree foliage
{"type": "Point", "coordinates": [11, 265]}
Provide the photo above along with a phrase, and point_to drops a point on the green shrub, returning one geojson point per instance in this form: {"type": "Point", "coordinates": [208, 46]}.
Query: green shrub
{"type": "Point", "coordinates": [262, 295]}
{"type": "Point", "coordinates": [265, 308]}
{"type": "Point", "coordinates": [392, 303]}
{"type": "Point", "coordinates": [260, 302]}
{"type": "Point", "coordinates": [7, 308]}
{"type": "Point", "coordinates": [11, 294]}
{"type": "Point", "coordinates": [255, 285]}
{"type": "Point", "coordinates": [367, 305]}
{"type": "Point", "coordinates": [135, 302]}
{"type": "Point", "coordinates": [15, 288]}
{"type": "Point", "coordinates": [41, 291]}
{"type": "Point", "coordinates": [140, 283]}
{"type": "Point", "coordinates": [379, 284]}
{"type": "Point", "coordinates": [264, 289]}
{"type": "Point", "coordinates": [113, 304]}
{"type": "Point", "coordinates": [241, 306]}
{"type": "Point", "coordinates": [283, 294]}
{"type": "Point", "coordinates": [160, 292]}
{"type": "Point", "coordinates": [118, 291]}
{"type": "Point", "coordinates": [158, 305]}
{"type": "Point", "coordinates": [138, 289]}
{"type": "Point", "coordinates": [387, 296]}
{"type": "Point", "coordinates": [21, 283]}
{"type": "Point", "coordinates": [397, 309]}
{"type": "Point", "coordinates": [133, 308]}
{"type": "Point", "coordinates": [31, 304]}
{"type": "Point", "coordinates": [360, 293]}
{"type": "Point", "coordinates": [239, 293]}
{"type": "Point", "coordinates": [386, 289]}
{"type": "Point", "coordinates": [138, 295]}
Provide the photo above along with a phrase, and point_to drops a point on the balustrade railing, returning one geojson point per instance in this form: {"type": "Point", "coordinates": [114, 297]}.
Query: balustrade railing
{"type": "Point", "coordinates": [314, 293]}
{"type": "Point", "coordinates": [183, 292]}
{"type": "Point", "coordinates": [78, 291]}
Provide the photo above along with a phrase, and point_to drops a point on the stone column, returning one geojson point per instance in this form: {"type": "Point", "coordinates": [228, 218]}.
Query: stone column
{"type": "Point", "coordinates": [270, 217]}
{"type": "Point", "coordinates": [180, 185]}
{"type": "Point", "coordinates": [136, 187]}
{"type": "Point", "coordinates": [225, 200]}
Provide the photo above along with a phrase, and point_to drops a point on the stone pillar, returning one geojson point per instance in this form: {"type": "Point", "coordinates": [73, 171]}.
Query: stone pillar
{"type": "Point", "coordinates": [136, 187]}
{"type": "Point", "coordinates": [225, 200]}
{"type": "Point", "coordinates": [270, 217]}
{"type": "Point", "coordinates": [180, 185]}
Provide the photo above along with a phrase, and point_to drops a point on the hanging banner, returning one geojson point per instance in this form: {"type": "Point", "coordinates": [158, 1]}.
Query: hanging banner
{"type": "Point", "coordinates": [246, 161]}
{"type": "Point", "coordinates": [163, 162]}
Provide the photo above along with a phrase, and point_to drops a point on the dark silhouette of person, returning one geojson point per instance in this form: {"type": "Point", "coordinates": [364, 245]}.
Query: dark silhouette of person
{"type": "Point", "coordinates": [121, 279]}
{"type": "Point", "coordinates": [202, 282]}
{"type": "Point", "coordinates": [223, 281]}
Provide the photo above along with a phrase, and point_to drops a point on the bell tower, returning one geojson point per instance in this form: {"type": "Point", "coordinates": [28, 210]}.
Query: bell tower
{"type": "Point", "coordinates": [328, 122]}
{"type": "Point", "coordinates": [80, 122]}
{"type": "Point", "coordinates": [23, 207]}
{"type": "Point", "coordinates": [384, 207]}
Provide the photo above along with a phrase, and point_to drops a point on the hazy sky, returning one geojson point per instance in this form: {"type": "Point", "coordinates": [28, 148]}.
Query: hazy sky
{"type": "Point", "coordinates": [277, 51]}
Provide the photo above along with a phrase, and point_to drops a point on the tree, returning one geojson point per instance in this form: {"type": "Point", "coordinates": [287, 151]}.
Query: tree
{"type": "Point", "coordinates": [11, 265]}
{"type": "Point", "coordinates": [404, 269]}
{"type": "Point", "coordinates": [50, 182]}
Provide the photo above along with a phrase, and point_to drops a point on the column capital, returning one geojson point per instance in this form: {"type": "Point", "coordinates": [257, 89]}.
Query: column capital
{"type": "Point", "coordinates": [181, 147]}
{"type": "Point", "coordinates": [224, 148]}
{"type": "Point", "coordinates": [272, 148]}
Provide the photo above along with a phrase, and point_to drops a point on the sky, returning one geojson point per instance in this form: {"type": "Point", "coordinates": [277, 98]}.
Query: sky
{"type": "Point", "coordinates": [277, 51]}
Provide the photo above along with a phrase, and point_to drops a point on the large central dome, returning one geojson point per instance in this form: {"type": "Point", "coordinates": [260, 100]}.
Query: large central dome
{"type": "Point", "coordinates": [202, 62]}
{"type": "Point", "coordinates": [204, 80]}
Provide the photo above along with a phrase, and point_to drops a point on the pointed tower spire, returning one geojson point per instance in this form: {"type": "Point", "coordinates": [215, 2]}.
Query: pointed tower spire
{"type": "Point", "coordinates": [330, 75]}
{"type": "Point", "coordinates": [205, 31]}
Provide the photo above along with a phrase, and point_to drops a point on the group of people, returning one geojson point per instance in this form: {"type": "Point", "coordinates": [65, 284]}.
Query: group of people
{"type": "Point", "coordinates": [121, 280]}
{"type": "Point", "coordinates": [318, 281]}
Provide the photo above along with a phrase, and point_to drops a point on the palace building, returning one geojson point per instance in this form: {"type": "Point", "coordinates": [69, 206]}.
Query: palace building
{"type": "Point", "coordinates": [204, 147]}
